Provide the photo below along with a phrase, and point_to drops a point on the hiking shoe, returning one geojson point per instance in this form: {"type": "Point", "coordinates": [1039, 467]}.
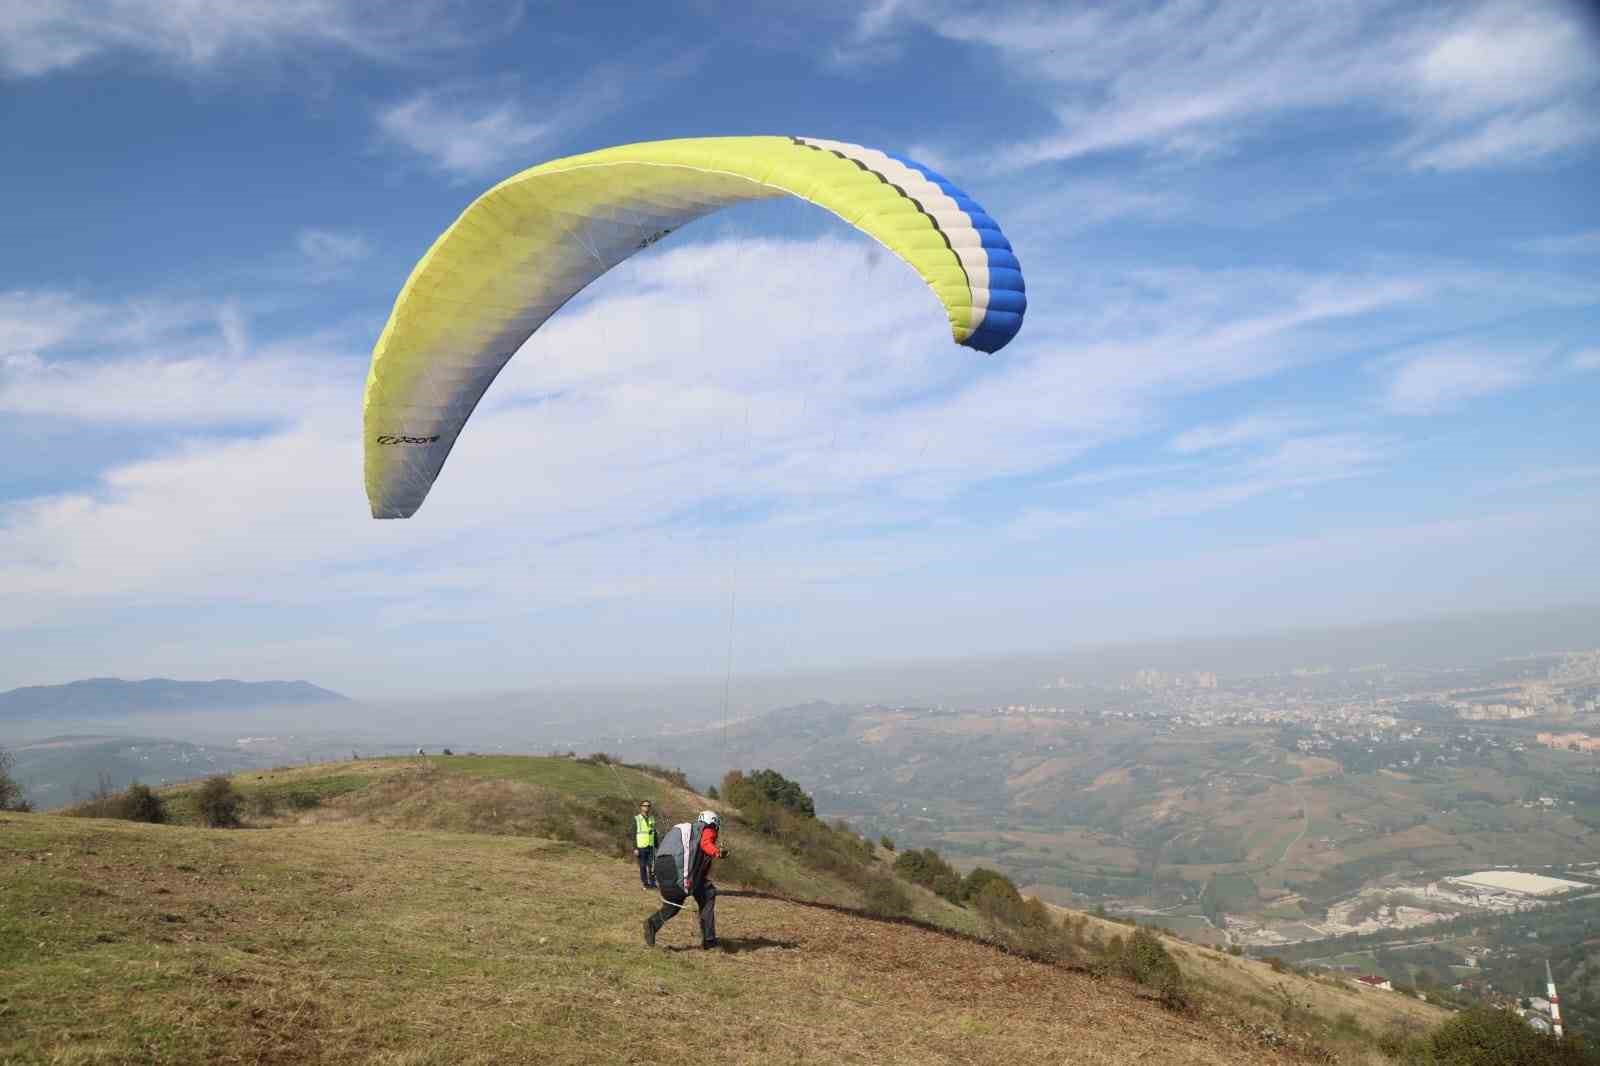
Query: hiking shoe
{"type": "Point", "coordinates": [709, 945]}
{"type": "Point", "coordinates": [649, 934]}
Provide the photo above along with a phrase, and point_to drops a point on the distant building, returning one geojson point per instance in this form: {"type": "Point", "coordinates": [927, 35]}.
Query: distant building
{"type": "Point", "coordinates": [1512, 881]}
{"type": "Point", "coordinates": [1374, 981]}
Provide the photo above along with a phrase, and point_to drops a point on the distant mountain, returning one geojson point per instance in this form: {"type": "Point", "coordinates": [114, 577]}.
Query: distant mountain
{"type": "Point", "coordinates": [112, 696]}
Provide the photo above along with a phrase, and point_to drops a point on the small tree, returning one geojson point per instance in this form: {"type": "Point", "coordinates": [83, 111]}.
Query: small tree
{"type": "Point", "coordinates": [218, 802]}
{"type": "Point", "coordinates": [745, 790]}
{"type": "Point", "coordinates": [1144, 959]}
{"type": "Point", "coordinates": [886, 898]}
{"type": "Point", "coordinates": [141, 804]}
{"type": "Point", "coordinates": [886, 842]}
{"type": "Point", "coordinates": [10, 790]}
{"type": "Point", "coordinates": [982, 877]}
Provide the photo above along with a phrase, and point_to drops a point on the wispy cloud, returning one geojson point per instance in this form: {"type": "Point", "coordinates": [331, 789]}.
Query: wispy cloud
{"type": "Point", "coordinates": [330, 252]}
{"type": "Point", "coordinates": [1110, 474]}
{"type": "Point", "coordinates": [475, 128]}
{"type": "Point", "coordinates": [1248, 430]}
{"type": "Point", "coordinates": [1510, 139]}
{"type": "Point", "coordinates": [1506, 83]}
{"type": "Point", "coordinates": [1585, 242]}
{"type": "Point", "coordinates": [680, 398]}
{"type": "Point", "coordinates": [1294, 464]}
{"type": "Point", "coordinates": [1542, 477]}
{"type": "Point", "coordinates": [1586, 359]}
{"type": "Point", "coordinates": [66, 358]}
{"type": "Point", "coordinates": [41, 38]}
{"type": "Point", "coordinates": [1440, 381]}
{"type": "Point", "coordinates": [467, 132]}
{"type": "Point", "coordinates": [1487, 83]}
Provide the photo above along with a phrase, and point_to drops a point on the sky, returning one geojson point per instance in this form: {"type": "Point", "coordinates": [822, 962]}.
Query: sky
{"type": "Point", "coordinates": [1313, 336]}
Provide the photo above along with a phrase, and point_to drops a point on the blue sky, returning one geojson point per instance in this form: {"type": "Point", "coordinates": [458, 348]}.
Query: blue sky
{"type": "Point", "coordinates": [1312, 336]}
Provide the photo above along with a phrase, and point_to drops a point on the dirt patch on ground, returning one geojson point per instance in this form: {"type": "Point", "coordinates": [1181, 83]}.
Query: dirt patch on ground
{"type": "Point", "coordinates": [1118, 776]}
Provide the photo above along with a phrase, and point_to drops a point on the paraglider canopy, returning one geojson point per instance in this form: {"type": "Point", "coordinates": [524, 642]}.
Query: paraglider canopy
{"type": "Point", "coordinates": [531, 243]}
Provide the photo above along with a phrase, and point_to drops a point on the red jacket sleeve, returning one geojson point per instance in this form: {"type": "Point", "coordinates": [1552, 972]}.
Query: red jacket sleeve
{"type": "Point", "coordinates": [708, 841]}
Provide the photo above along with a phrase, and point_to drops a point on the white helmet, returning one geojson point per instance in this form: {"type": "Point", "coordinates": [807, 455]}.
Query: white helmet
{"type": "Point", "coordinates": [709, 818]}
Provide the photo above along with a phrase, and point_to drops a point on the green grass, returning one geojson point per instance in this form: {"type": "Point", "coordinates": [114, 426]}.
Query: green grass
{"type": "Point", "coordinates": [312, 933]}
{"type": "Point", "coordinates": [354, 943]}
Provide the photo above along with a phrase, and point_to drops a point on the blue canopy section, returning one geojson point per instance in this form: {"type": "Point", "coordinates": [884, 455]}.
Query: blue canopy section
{"type": "Point", "coordinates": [1008, 295]}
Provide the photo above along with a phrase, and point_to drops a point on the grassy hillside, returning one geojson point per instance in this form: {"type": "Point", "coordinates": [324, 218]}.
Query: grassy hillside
{"type": "Point", "coordinates": [577, 801]}
{"type": "Point", "coordinates": [131, 943]}
{"type": "Point", "coordinates": [480, 910]}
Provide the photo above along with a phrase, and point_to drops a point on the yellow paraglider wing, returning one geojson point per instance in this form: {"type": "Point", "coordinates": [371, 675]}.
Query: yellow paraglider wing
{"type": "Point", "coordinates": [531, 243]}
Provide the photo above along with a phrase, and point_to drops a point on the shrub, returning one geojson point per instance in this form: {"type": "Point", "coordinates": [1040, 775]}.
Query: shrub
{"type": "Point", "coordinates": [10, 789]}
{"type": "Point", "coordinates": [671, 775]}
{"type": "Point", "coordinates": [981, 878]}
{"type": "Point", "coordinates": [1235, 950]}
{"type": "Point", "coordinates": [1144, 959]}
{"type": "Point", "coordinates": [136, 803]}
{"type": "Point", "coordinates": [141, 804]}
{"type": "Point", "coordinates": [218, 802]}
{"type": "Point", "coordinates": [924, 867]}
{"type": "Point", "coordinates": [736, 867]}
{"type": "Point", "coordinates": [1484, 1036]}
{"type": "Point", "coordinates": [557, 827]}
{"type": "Point", "coordinates": [612, 817]}
{"type": "Point", "coordinates": [886, 842]}
{"type": "Point", "coordinates": [886, 897]}
{"type": "Point", "coordinates": [712, 793]}
{"type": "Point", "coordinates": [744, 790]}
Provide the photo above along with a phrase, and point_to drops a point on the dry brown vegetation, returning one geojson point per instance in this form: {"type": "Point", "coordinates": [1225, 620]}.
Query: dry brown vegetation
{"type": "Point", "coordinates": [475, 909]}
{"type": "Point", "coordinates": [355, 943]}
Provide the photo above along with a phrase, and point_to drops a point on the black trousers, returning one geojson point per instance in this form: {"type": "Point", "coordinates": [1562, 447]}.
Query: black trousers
{"type": "Point", "coordinates": [705, 896]}
{"type": "Point", "coordinates": [647, 858]}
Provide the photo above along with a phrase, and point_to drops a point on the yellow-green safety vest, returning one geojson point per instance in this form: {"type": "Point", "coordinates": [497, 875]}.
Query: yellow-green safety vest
{"type": "Point", "coordinates": [644, 831]}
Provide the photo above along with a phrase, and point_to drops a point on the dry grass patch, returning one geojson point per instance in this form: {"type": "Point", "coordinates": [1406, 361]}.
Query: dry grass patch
{"type": "Point", "coordinates": [358, 944]}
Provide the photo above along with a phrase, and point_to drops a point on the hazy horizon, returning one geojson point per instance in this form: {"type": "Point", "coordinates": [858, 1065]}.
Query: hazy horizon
{"type": "Point", "coordinates": [950, 680]}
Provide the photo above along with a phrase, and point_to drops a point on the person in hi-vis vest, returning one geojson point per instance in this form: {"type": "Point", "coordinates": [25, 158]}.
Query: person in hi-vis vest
{"type": "Point", "coordinates": [644, 843]}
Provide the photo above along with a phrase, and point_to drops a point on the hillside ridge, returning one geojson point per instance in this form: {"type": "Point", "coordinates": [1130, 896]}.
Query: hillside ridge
{"type": "Point", "coordinates": [368, 875]}
{"type": "Point", "coordinates": [98, 696]}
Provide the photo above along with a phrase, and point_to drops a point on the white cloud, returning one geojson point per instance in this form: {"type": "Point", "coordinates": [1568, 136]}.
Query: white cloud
{"type": "Point", "coordinates": [329, 252]}
{"type": "Point", "coordinates": [810, 387]}
{"type": "Point", "coordinates": [1294, 464]}
{"type": "Point", "coordinates": [475, 128]}
{"type": "Point", "coordinates": [38, 38]}
{"type": "Point", "coordinates": [1109, 474]}
{"type": "Point", "coordinates": [1512, 139]}
{"type": "Point", "coordinates": [1586, 359]}
{"type": "Point", "coordinates": [1541, 477]}
{"type": "Point", "coordinates": [1487, 83]}
{"type": "Point", "coordinates": [63, 357]}
{"type": "Point", "coordinates": [32, 321]}
{"type": "Point", "coordinates": [1440, 381]}
{"type": "Point", "coordinates": [466, 132]}
{"type": "Point", "coordinates": [1247, 430]}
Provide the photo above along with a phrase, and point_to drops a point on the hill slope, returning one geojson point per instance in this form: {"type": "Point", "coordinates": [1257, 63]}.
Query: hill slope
{"type": "Point", "coordinates": [355, 943]}
{"type": "Point", "coordinates": [448, 910]}
{"type": "Point", "coordinates": [111, 696]}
